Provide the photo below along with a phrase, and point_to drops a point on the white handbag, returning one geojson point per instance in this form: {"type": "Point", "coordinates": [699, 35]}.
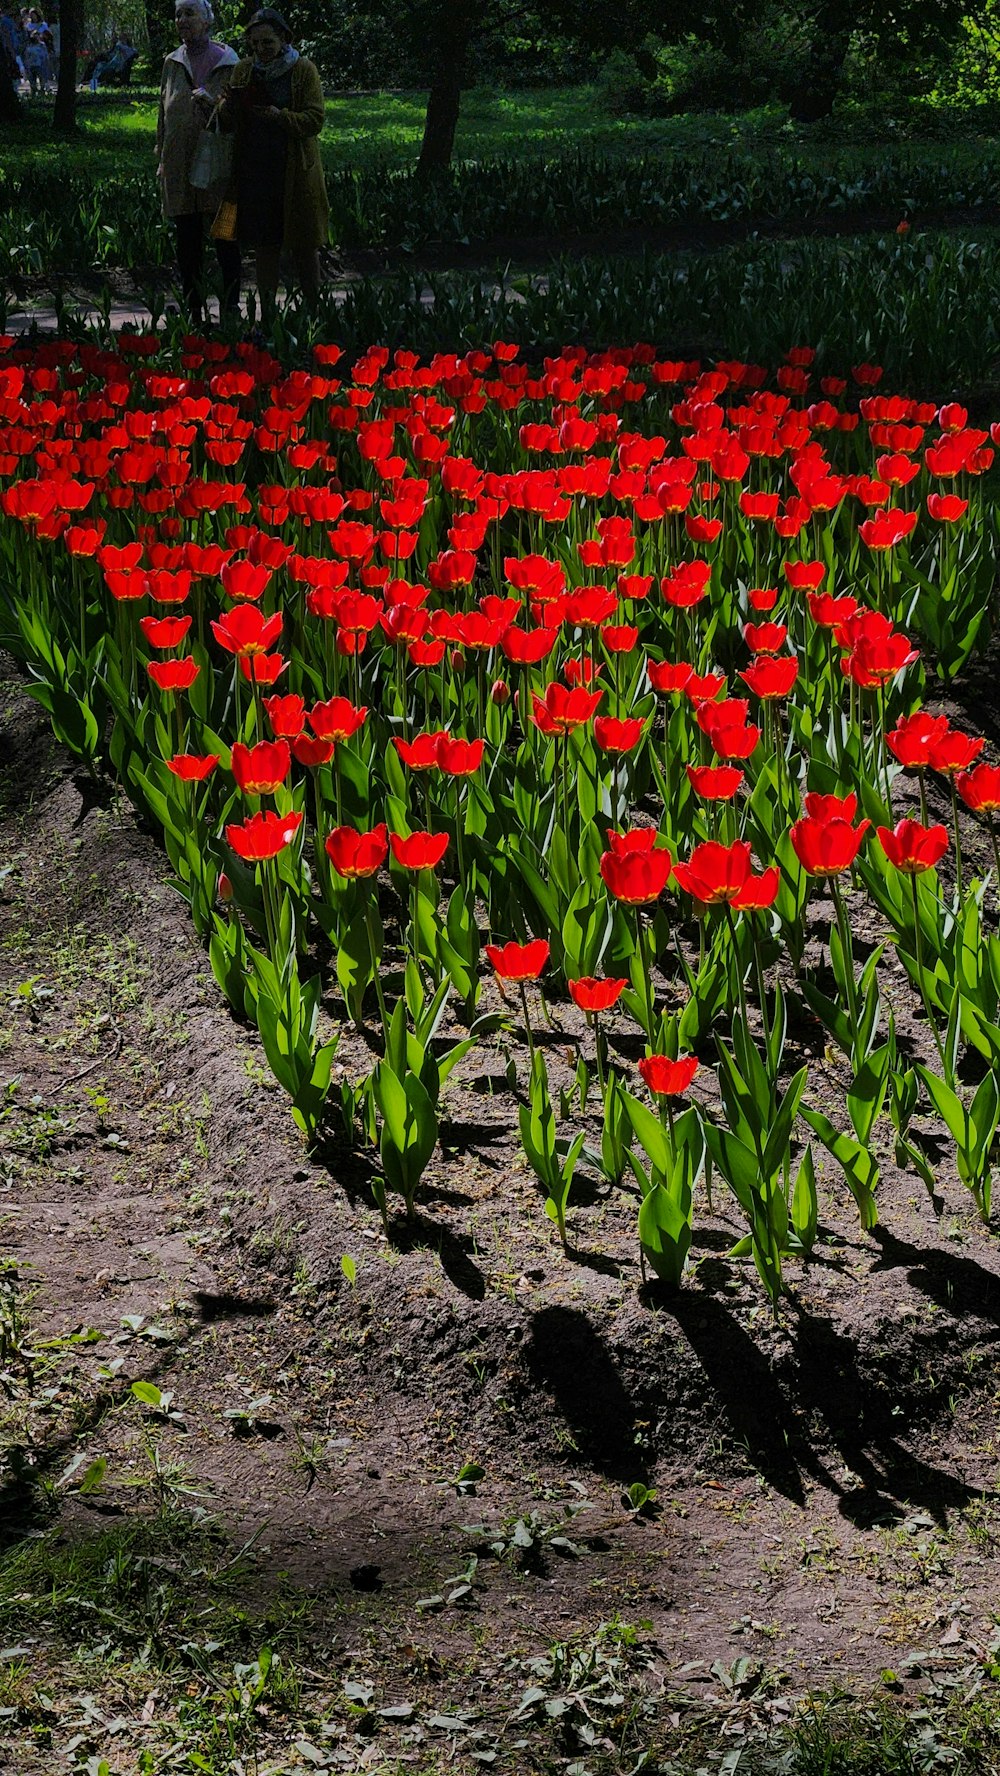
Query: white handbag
{"type": "Point", "coordinates": [213, 157]}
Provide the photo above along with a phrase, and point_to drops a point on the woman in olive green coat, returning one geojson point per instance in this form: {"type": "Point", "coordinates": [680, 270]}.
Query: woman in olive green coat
{"type": "Point", "coordinates": [274, 102]}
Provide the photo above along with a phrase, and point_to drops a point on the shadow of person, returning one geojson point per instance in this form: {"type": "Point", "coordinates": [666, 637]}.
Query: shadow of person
{"type": "Point", "coordinates": [866, 1420]}
{"type": "Point", "coordinates": [960, 1284]}
{"type": "Point", "coordinates": [820, 1398]}
{"type": "Point", "coordinates": [745, 1387]}
{"type": "Point", "coordinates": [566, 1357]}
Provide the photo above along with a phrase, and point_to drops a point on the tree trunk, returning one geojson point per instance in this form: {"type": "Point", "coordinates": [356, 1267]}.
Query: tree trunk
{"type": "Point", "coordinates": [444, 100]}
{"type": "Point", "coordinates": [824, 73]}
{"type": "Point", "coordinates": [10, 104]}
{"type": "Point", "coordinates": [70, 33]}
{"type": "Point", "coordinates": [158, 36]}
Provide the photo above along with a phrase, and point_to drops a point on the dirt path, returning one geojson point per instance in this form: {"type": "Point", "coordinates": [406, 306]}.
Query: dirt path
{"type": "Point", "coordinates": [826, 1489]}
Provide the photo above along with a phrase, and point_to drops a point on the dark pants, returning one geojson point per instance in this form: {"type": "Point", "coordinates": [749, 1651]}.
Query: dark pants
{"type": "Point", "coordinates": [190, 233]}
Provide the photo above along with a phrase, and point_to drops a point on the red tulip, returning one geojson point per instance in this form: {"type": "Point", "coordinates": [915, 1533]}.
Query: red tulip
{"type": "Point", "coordinates": [634, 871]}
{"type": "Point", "coordinates": [771, 677]}
{"type": "Point", "coordinates": [526, 647]}
{"type": "Point", "coordinates": [263, 835]}
{"type": "Point", "coordinates": [192, 767]}
{"type": "Point", "coordinates": [592, 995]}
{"type": "Point", "coordinates": [913, 848]}
{"type": "Point", "coordinates": [518, 962]}
{"type": "Point", "coordinates": [716, 873]}
{"type": "Point", "coordinates": [668, 676]}
{"type": "Point", "coordinates": [805, 576]}
{"type": "Point", "coordinates": [765, 638]}
{"type": "Point", "coordinates": [460, 758]}
{"type": "Point", "coordinates": [422, 753]}
{"type": "Point", "coordinates": [911, 740]}
{"type": "Point", "coordinates": [245, 630]}
{"type": "Point", "coordinates": [336, 720]}
{"type": "Point", "coordinates": [174, 675]}
{"type": "Point", "coordinates": [668, 1078]}
{"type": "Point", "coordinates": [715, 783]}
{"type": "Point", "coordinates": [262, 669]}
{"type": "Point", "coordinates": [617, 736]}
{"type": "Point", "coordinates": [954, 752]}
{"type": "Point", "coordinates": [261, 769]}
{"type": "Point", "coordinates": [310, 752]}
{"type": "Point", "coordinates": [356, 855]}
{"type": "Point", "coordinates": [242, 579]}
{"type": "Point", "coordinates": [980, 788]}
{"type": "Point", "coordinates": [829, 807]}
{"type": "Point", "coordinates": [165, 632]}
{"type": "Point", "coordinates": [286, 715]}
{"type": "Point", "coordinates": [826, 847]}
{"type": "Point", "coordinates": [422, 850]}
{"type": "Point", "coordinates": [887, 528]}
{"type": "Point", "coordinates": [562, 710]}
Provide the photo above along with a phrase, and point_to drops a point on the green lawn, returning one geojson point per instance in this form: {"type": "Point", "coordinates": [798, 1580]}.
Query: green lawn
{"type": "Point", "coordinates": [362, 129]}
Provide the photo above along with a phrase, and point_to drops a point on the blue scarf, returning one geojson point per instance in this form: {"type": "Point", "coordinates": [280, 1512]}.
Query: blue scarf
{"type": "Point", "coordinates": [280, 65]}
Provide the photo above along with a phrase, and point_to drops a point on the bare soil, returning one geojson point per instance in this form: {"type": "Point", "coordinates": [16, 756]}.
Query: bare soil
{"type": "Point", "coordinates": [826, 1484]}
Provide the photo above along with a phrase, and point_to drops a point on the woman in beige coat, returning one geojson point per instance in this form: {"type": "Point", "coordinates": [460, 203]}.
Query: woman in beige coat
{"type": "Point", "coordinates": [194, 80]}
{"type": "Point", "coordinates": [274, 102]}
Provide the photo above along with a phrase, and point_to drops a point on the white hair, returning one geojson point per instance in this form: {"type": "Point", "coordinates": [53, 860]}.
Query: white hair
{"type": "Point", "coordinates": [201, 6]}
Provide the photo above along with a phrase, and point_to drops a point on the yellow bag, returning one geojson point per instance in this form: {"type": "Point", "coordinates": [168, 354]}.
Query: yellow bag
{"type": "Point", "coordinates": [224, 226]}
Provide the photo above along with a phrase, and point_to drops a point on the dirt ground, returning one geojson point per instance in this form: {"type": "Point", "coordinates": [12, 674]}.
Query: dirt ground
{"type": "Point", "coordinates": [826, 1509]}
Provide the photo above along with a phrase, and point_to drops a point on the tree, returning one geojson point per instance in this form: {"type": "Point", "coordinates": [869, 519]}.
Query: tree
{"type": "Point", "coordinates": [897, 29]}
{"type": "Point", "coordinates": [70, 38]}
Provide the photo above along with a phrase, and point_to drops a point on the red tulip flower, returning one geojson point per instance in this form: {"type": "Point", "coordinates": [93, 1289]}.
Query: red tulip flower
{"type": "Point", "coordinates": [617, 736]}
{"type": "Point", "coordinates": [770, 677]}
{"type": "Point", "coordinates": [829, 807]}
{"type": "Point", "coordinates": [765, 638]}
{"type": "Point", "coordinates": [668, 1078]}
{"type": "Point", "coordinates": [887, 528]}
{"type": "Point", "coordinates": [165, 632]}
{"type": "Point", "coordinates": [174, 675]}
{"type": "Point", "coordinates": [261, 769]}
{"type": "Point", "coordinates": [805, 576]}
{"type": "Point", "coordinates": [286, 715]}
{"type": "Point", "coordinates": [980, 788]}
{"type": "Point", "coordinates": [592, 995]}
{"type": "Point", "coordinates": [460, 758]}
{"type": "Point", "coordinates": [715, 783]}
{"type": "Point", "coordinates": [263, 669]}
{"type": "Point", "coordinates": [518, 962]}
{"type": "Point", "coordinates": [911, 740]}
{"type": "Point", "coordinates": [954, 752]}
{"type": "Point", "coordinates": [192, 767]}
{"type": "Point", "coordinates": [422, 753]}
{"type": "Point", "coordinates": [422, 850]}
{"type": "Point", "coordinates": [668, 676]}
{"type": "Point", "coordinates": [561, 710]}
{"type": "Point", "coordinates": [245, 630]}
{"type": "Point", "coordinates": [263, 836]}
{"type": "Point", "coordinates": [336, 720]}
{"type": "Point", "coordinates": [718, 874]}
{"type": "Point", "coordinates": [311, 752]}
{"type": "Point", "coordinates": [826, 847]}
{"type": "Point", "coordinates": [634, 870]}
{"type": "Point", "coordinates": [913, 848]}
{"type": "Point", "coordinates": [241, 579]}
{"type": "Point", "coordinates": [357, 855]}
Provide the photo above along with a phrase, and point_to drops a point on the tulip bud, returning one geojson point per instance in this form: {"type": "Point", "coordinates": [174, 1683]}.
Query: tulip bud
{"type": "Point", "coordinates": [500, 691]}
{"type": "Point", "coordinates": [457, 658]}
{"type": "Point", "coordinates": [225, 887]}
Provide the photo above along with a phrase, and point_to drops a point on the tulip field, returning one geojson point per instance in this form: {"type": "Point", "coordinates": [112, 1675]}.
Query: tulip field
{"type": "Point", "coordinates": [493, 704]}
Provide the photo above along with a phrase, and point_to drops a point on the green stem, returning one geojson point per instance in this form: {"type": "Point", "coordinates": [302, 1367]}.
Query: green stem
{"type": "Point", "coordinates": [925, 996]}
{"type": "Point", "coordinates": [845, 944]}
{"type": "Point", "coordinates": [527, 1023]}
